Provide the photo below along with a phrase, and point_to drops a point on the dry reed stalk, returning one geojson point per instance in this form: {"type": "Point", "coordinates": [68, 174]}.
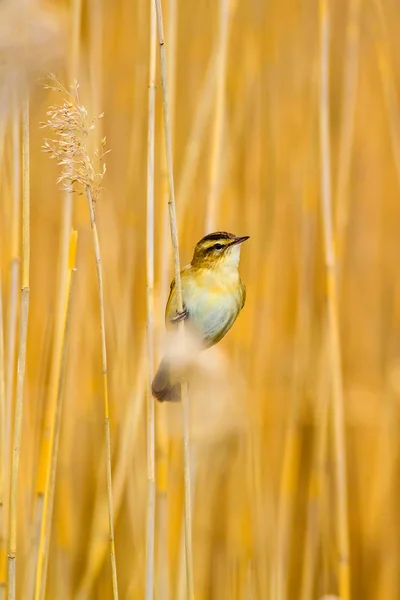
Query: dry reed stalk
{"type": "Point", "coordinates": [349, 99]}
{"type": "Point", "coordinates": [386, 69]}
{"type": "Point", "coordinates": [69, 123]}
{"type": "Point", "coordinates": [174, 239]}
{"type": "Point", "coordinates": [3, 456]}
{"type": "Point", "coordinates": [75, 41]}
{"type": "Point", "coordinates": [48, 430]}
{"type": "Point", "coordinates": [343, 560]}
{"type": "Point", "coordinates": [161, 412]}
{"type": "Point", "coordinates": [171, 74]}
{"type": "Point", "coordinates": [291, 473]}
{"type": "Point", "coordinates": [3, 423]}
{"type": "Point", "coordinates": [60, 392]}
{"type": "Point", "coordinates": [151, 490]}
{"type": "Point", "coordinates": [12, 316]}
{"type": "Point", "coordinates": [192, 153]}
{"type": "Point", "coordinates": [99, 271]}
{"type": "Point", "coordinates": [219, 118]}
{"type": "Point", "coordinates": [95, 59]}
{"type": "Point", "coordinates": [317, 480]}
{"type": "Point", "coordinates": [19, 401]}
{"type": "Point", "coordinates": [132, 423]}
{"type": "Point", "coordinates": [15, 267]}
{"type": "Point", "coordinates": [48, 437]}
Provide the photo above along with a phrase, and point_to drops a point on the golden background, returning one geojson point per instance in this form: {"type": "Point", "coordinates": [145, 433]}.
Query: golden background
{"type": "Point", "coordinates": [246, 111]}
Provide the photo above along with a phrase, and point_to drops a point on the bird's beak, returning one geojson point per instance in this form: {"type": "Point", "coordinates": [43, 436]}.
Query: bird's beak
{"type": "Point", "coordinates": [240, 240]}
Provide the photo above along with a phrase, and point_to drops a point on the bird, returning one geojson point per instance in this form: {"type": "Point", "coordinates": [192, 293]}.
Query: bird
{"type": "Point", "coordinates": [213, 294]}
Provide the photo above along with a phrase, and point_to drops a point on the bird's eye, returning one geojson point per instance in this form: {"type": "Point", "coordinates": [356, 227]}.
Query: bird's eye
{"type": "Point", "coordinates": [218, 246]}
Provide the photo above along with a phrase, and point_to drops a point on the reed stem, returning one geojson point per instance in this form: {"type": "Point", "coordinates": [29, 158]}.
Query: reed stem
{"type": "Point", "coordinates": [343, 563]}
{"type": "Point", "coordinates": [57, 420]}
{"type": "Point", "coordinates": [151, 483]}
{"type": "Point", "coordinates": [99, 272]}
{"type": "Point", "coordinates": [19, 403]}
{"type": "Point", "coordinates": [177, 269]}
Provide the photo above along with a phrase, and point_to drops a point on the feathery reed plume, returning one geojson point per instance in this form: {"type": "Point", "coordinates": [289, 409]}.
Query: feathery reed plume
{"type": "Point", "coordinates": [19, 401]}
{"type": "Point", "coordinates": [343, 561]}
{"type": "Point", "coordinates": [70, 125]}
{"type": "Point", "coordinates": [151, 483]}
{"type": "Point", "coordinates": [177, 268]}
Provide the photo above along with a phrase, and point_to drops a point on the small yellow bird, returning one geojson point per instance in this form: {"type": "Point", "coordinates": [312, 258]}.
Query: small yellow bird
{"type": "Point", "coordinates": [213, 294]}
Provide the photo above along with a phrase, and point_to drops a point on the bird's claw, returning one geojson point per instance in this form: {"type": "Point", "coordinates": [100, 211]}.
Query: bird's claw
{"type": "Point", "coordinates": [179, 316]}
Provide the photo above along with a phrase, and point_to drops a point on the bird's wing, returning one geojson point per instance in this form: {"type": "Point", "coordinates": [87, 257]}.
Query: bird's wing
{"type": "Point", "coordinates": [171, 308]}
{"type": "Point", "coordinates": [243, 294]}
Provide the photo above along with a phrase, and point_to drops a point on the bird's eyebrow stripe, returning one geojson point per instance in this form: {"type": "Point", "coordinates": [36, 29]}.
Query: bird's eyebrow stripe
{"type": "Point", "coordinates": [218, 236]}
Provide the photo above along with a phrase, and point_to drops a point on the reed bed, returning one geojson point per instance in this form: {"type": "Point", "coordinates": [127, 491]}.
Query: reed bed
{"type": "Point", "coordinates": [283, 126]}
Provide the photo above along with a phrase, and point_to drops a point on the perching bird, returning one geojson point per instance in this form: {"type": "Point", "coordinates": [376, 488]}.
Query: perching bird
{"type": "Point", "coordinates": [213, 294]}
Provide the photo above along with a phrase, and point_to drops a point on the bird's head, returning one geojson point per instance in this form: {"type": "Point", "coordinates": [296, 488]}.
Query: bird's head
{"type": "Point", "coordinates": [219, 249]}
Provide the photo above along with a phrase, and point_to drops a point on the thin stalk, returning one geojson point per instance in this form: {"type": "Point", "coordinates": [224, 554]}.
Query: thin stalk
{"type": "Point", "coordinates": [3, 454]}
{"type": "Point", "coordinates": [12, 548]}
{"type": "Point", "coordinates": [219, 118]}
{"type": "Point", "coordinates": [177, 268]}
{"type": "Point", "coordinates": [317, 485]}
{"type": "Point", "coordinates": [151, 483]}
{"type": "Point", "coordinates": [60, 392]}
{"type": "Point", "coordinates": [13, 298]}
{"type": "Point", "coordinates": [349, 100]}
{"type": "Point", "coordinates": [332, 312]}
{"type": "Point", "coordinates": [75, 42]}
{"type": "Point", "coordinates": [292, 448]}
{"type": "Point", "coordinates": [48, 433]}
{"type": "Point", "coordinates": [386, 70]}
{"type": "Point", "coordinates": [129, 433]}
{"type": "Point", "coordinates": [161, 412]}
{"type": "Point", "coordinates": [47, 439]}
{"type": "Point", "coordinates": [3, 423]}
{"type": "Point", "coordinates": [99, 272]}
{"type": "Point", "coordinates": [192, 156]}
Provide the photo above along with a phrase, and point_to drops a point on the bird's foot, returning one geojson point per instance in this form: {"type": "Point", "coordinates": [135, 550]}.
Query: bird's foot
{"type": "Point", "coordinates": [180, 316]}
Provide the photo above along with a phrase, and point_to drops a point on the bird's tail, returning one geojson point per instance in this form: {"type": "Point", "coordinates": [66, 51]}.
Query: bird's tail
{"type": "Point", "coordinates": [163, 386]}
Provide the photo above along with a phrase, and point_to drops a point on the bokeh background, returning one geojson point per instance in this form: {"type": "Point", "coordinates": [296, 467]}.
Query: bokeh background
{"type": "Point", "coordinates": [246, 109]}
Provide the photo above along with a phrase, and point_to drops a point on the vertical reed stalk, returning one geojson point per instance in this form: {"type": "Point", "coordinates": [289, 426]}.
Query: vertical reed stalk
{"type": "Point", "coordinates": [174, 238]}
{"type": "Point", "coordinates": [12, 319]}
{"type": "Point", "coordinates": [12, 549]}
{"type": "Point", "coordinates": [192, 153]}
{"type": "Point", "coordinates": [151, 491]}
{"type": "Point", "coordinates": [47, 439]}
{"type": "Point", "coordinates": [332, 311]}
{"type": "Point", "coordinates": [43, 489]}
{"type": "Point", "coordinates": [291, 456]}
{"type": "Point", "coordinates": [171, 74]}
{"type": "Point", "coordinates": [15, 266]}
{"type": "Point", "coordinates": [3, 454]}
{"type": "Point", "coordinates": [349, 101]}
{"type": "Point", "coordinates": [219, 118]}
{"type": "Point", "coordinates": [316, 485]}
{"type": "Point", "coordinates": [388, 78]}
{"type": "Point", "coordinates": [99, 272]}
{"type": "Point", "coordinates": [48, 513]}
{"type": "Point", "coordinates": [162, 439]}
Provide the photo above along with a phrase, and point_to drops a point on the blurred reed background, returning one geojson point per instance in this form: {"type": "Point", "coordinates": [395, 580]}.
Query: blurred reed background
{"type": "Point", "coordinates": [250, 101]}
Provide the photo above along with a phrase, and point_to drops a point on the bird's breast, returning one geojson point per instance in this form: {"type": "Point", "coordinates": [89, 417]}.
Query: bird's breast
{"type": "Point", "coordinates": [212, 304]}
